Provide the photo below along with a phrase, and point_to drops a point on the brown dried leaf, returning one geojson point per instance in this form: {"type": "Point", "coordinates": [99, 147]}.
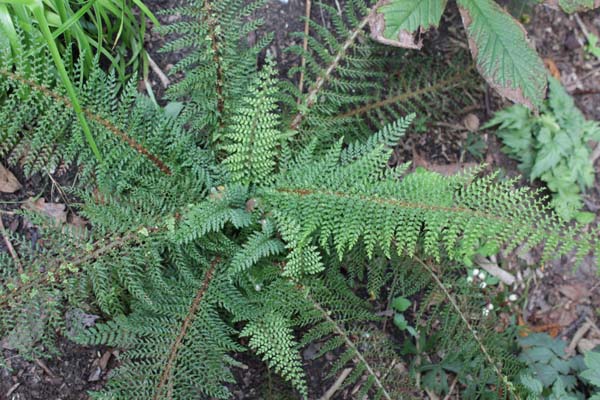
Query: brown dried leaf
{"type": "Point", "coordinates": [575, 291]}
{"type": "Point", "coordinates": [551, 65]}
{"type": "Point", "coordinates": [8, 182]}
{"type": "Point", "coordinates": [56, 211]}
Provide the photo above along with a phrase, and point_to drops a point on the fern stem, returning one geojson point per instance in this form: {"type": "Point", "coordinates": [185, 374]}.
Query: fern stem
{"type": "Point", "coordinates": [304, 46]}
{"type": "Point", "coordinates": [351, 345]}
{"type": "Point", "coordinates": [92, 116]}
{"type": "Point", "coordinates": [453, 80]}
{"type": "Point", "coordinates": [469, 327]}
{"type": "Point", "coordinates": [43, 279]}
{"type": "Point", "coordinates": [394, 202]}
{"type": "Point", "coordinates": [212, 27]}
{"type": "Point", "coordinates": [311, 97]}
{"type": "Point", "coordinates": [166, 372]}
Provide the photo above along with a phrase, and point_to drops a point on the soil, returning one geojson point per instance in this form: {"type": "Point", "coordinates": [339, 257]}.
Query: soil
{"type": "Point", "coordinates": [558, 299]}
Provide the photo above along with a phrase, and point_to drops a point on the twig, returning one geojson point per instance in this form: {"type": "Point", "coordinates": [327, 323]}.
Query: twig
{"type": "Point", "coordinates": [12, 389]}
{"type": "Point", "coordinates": [304, 47]}
{"type": "Point", "coordinates": [43, 366]}
{"type": "Point", "coordinates": [494, 270]}
{"type": "Point", "coordinates": [336, 385]}
{"type": "Point", "coordinates": [10, 247]}
{"type": "Point", "coordinates": [581, 26]}
{"type": "Point", "coordinates": [570, 350]}
{"type": "Point", "coordinates": [596, 153]}
{"type": "Point", "coordinates": [164, 79]}
{"type": "Point", "coordinates": [60, 191]}
{"type": "Point", "coordinates": [447, 397]}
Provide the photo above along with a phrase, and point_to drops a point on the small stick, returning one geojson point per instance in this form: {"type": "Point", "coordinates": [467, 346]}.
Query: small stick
{"type": "Point", "coordinates": [447, 397]}
{"type": "Point", "coordinates": [304, 47]}
{"type": "Point", "coordinates": [577, 337]}
{"type": "Point", "coordinates": [336, 385]}
{"type": "Point", "coordinates": [581, 26]}
{"type": "Point", "coordinates": [10, 247]}
{"type": "Point", "coordinates": [43, 366]}
{"type": "Point", "coordinates": [164, 79]}
{"type": "Point", "coordinates": [12, 389]}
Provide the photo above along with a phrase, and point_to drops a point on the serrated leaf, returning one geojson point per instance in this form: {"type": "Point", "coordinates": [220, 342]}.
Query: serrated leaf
{"type": "Point", "coordinates": [547, 158]}
{"type": "Point", "coordinates": [592, 361]}
{"type": "Point", "coordinates": [397, 20]}
{"type": "Point", "coordinates": [499, 46]}
{"type": "Point", "coordinates": [532, 384]}
{"type": "Point", "coordinates": [400, 322]}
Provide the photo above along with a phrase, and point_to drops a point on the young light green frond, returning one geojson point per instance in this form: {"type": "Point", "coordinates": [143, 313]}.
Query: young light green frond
{"type": "Point", "coordinates": [224, 205]}
{"type": "Point", "coordinates": [254, 135]}
{"type": "Point", "coordinates": [462, 212]}
{"type": "Point", "coordinates": [259, 245]}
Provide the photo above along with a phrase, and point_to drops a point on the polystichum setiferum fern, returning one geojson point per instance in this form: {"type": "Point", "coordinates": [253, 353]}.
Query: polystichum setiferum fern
{"type": "Point", "coordinates": [250, 222]}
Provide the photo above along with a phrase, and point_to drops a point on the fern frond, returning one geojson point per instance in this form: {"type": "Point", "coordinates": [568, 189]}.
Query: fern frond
{"type": "Point", "coordinates": [252, 138]}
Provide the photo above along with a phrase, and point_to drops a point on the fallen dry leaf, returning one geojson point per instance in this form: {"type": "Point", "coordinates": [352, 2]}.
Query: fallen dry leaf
{"type": "Point", "coordinates": [551, 66]}
{"type": "Point", "coordinates": [576, 292]}
{"type": "Point", "coordinates": [8, 182]}
{"type": "Point", "coordinates": [57, 211]}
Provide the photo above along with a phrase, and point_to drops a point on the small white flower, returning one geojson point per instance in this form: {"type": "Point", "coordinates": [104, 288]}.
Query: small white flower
{"type": "Point", "coordinates": [476, 272]}
{"type": "Point", "coordinates": [481, 275]}
{"type": "Point", "coordinates": [258, 287]}
{"type": "Point", "coordinates": [469, 279]}
{"type": "Point", "coordinates": [486, 312]}
{"type": "Point", "coordinates": [483, 285]}
{"type": "Point", "coordinates": [513, 297]}
{"type": "Point", "coordinates": [490, 306]}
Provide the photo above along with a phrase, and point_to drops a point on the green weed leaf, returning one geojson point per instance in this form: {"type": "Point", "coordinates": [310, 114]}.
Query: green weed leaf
{"type": "Point", "coordinates": [499, 46]}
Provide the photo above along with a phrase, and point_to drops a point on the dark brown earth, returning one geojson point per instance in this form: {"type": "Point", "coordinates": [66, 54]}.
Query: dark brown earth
{"type": "Point", "coordinates": [558, 299]}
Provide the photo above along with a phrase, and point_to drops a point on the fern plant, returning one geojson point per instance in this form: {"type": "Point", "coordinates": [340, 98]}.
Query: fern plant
{"type": "Point", "coordinates": [251, 224]}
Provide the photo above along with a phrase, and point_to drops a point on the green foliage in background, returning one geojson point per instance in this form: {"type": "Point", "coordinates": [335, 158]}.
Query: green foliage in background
{"type": "Point", "coordinates": [552, 146]}
{"type": "Point", "coordinates": [111, 29]}
{"type": "Point", "coordinates": [498, 42]}
{"type": "Point", "coordinates": [551, 374]}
